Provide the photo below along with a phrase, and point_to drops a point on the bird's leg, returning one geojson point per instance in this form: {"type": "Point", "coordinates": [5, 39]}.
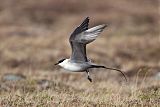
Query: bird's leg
{"type": "Point", "coordinates": [88, 76]}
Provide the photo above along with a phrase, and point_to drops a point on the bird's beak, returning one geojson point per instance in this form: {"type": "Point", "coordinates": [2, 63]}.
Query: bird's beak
{"type": "Point", "coordinates": [56, 63]}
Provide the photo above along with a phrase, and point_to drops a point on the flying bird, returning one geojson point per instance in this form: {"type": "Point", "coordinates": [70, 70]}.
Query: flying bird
{"type": "Point", "coordinates": [78, 62]}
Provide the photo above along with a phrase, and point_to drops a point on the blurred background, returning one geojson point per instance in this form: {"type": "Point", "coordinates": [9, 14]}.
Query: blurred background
{"type": "Point", "coordinates": [34, 35]}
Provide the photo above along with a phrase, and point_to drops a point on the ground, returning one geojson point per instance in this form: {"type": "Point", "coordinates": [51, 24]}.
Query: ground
{"type": "Point", "coordinates": [34, 35]}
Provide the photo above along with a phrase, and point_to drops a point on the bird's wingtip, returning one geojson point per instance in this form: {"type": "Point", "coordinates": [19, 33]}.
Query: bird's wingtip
{"type": "Point", "coordinates": [87, 18]}
{"type": "Point", "coordinates": [105, 25]}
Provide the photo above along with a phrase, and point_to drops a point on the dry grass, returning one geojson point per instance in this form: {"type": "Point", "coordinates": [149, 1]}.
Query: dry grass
{"type": "Point", "coordinates": [33, 36]}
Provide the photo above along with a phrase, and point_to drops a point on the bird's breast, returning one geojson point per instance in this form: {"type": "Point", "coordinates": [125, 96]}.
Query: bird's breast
{"type": "Point", "coordinates": [74, 67]}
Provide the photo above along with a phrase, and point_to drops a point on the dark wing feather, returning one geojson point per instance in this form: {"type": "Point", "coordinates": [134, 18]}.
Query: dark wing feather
{"type": "Point", "coordinates": [83, 27]}
{"type": "Point", "coordinates": [79, 49]}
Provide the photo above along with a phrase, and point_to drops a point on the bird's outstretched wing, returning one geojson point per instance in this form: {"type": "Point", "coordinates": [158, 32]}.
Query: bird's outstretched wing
{"type": "Point", "coordinates": [82, 36]}
{"type": "Point", "coordinates": [83, 27]}
{"type": "Point", "coordinates": [79, 49]}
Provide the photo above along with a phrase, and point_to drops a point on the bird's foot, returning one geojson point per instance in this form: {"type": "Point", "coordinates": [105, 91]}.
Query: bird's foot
{"type": "Point", "coordinates": [90, 79]}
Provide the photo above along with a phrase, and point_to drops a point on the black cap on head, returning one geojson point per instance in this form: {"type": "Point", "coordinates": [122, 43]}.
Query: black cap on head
{"type": "Point", "coordinates": [59, 61]}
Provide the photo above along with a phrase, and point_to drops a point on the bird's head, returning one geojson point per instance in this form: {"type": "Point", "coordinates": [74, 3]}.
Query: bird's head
{"type": "Point", "coordinates": [60, 61]}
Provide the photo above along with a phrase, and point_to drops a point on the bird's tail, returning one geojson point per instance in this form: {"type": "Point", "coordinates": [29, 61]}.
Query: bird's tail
{"type": "Point", "coordinates": [101, 66]}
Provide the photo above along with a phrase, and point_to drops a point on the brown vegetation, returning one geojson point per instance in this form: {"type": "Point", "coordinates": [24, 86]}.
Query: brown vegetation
{"type": "Point", "coordinates": [34, 35]}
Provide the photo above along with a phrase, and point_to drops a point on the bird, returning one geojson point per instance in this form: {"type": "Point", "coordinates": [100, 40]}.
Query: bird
{"type": "Point", "coordinates": [78, 61]}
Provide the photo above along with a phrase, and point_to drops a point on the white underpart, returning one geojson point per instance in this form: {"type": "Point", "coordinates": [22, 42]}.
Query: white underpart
{"type": "Point", "coordinates": [66, 64]}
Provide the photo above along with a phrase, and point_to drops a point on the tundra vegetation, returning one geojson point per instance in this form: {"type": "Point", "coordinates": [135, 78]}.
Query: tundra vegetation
{"type": "Point", "coordinates": [34, 35]}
